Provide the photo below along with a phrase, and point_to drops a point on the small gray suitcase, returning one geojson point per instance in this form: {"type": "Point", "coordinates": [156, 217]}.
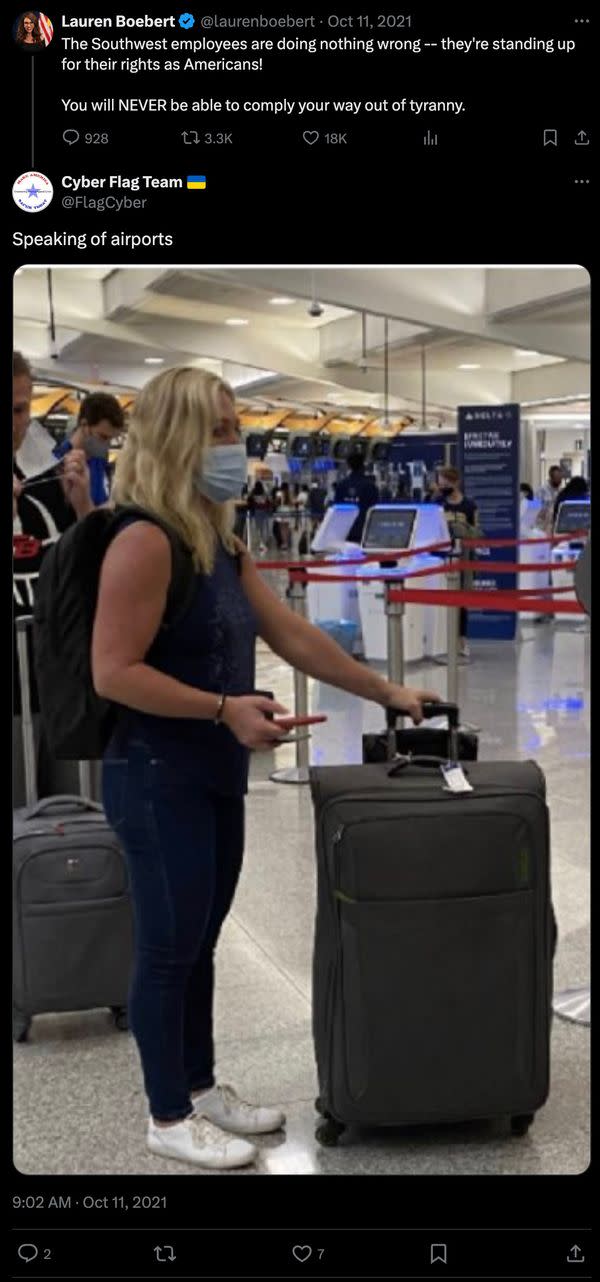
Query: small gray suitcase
{"type": "Point", "coordinates": [72, 924]}
{"type": "Point", "coordinates": [434, 942]}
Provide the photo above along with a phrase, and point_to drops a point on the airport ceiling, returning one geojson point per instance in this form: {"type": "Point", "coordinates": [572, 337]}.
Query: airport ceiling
{"type": "Point", "coordinates": [456, 335]}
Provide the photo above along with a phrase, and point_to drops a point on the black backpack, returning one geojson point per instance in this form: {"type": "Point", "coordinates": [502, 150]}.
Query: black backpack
{"type": "Point", "coordinates": [77, 722]}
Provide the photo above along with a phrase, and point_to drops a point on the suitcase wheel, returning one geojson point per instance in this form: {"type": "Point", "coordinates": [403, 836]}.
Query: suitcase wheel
{"type": "Point", "coordinates": [21, 1027]}
{"type": "Point", "coordinates": [119, 1014]}
{"type": "Point", "coordinates": [329, 1131]}
{"type": "Point", "coordinates": [520, 1125]}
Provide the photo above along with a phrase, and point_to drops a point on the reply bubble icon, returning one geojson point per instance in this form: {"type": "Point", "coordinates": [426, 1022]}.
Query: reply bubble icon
{"type": "Point", "coordinates": [28, 1251]}
{"type": "Point", "coordinates": [71, 136]}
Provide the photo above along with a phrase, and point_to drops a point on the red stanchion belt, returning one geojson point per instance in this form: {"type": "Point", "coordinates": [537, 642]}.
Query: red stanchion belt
{"type": "Point", "coordinates": [492, 567]}
{"type": "Point", "coordinates": [511, 543]}
{"type": "Point", "coordinates": [512, 602]}
{"type": "Point", "coordinates": [399, 555]}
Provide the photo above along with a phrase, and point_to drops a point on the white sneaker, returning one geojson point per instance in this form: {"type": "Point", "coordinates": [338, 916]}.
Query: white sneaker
{"type": "Point", "coordinates": [464, 650]}
{"type": "Point", "coordinates": [196, 1140]}
{"type": "Point", "coordinates": [222, 1106]}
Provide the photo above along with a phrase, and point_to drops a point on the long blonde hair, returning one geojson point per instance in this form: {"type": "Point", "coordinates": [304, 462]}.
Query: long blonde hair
{"type": "Point", "coordinates": [169, 433]}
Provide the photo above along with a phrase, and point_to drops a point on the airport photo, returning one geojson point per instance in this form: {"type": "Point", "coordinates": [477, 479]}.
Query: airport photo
{"type": "Point", "coordinates": [301, 720]}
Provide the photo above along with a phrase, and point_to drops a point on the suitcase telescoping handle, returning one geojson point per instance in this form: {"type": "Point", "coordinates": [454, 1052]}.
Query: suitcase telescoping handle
{"type": "Point", "coordinates": [449, 710]}
{"type": "Point", "coordinates": [23, 624]}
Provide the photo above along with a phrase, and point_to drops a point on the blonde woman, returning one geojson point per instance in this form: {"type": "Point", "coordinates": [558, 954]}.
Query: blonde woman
{"type": "Point", "coordinates": [176, 771]}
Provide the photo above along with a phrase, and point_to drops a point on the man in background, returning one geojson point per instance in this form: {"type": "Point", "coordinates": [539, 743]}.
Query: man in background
{"type": "Point", "coordinates": [47, 498]}
{"type": "Point", "coordinates": [548, 495]}
{"type": "Point", "coordinates": [100, 420]}
{"type": "Point", "coordinates": [463, 522]}
{"type": "Point", "coordinates": [360, 489]}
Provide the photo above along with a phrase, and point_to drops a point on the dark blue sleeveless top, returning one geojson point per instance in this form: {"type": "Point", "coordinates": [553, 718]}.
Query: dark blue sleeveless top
{"type": "Point", "coordinates": [212, 648]}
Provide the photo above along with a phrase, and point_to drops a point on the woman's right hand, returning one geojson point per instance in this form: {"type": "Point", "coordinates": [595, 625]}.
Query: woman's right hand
{"type": "Point", "coordinates": [245, 716]}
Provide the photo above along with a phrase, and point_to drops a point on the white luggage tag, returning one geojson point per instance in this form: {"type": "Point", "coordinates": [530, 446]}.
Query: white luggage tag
{"type": "Point", "coordinates": [454, 777]}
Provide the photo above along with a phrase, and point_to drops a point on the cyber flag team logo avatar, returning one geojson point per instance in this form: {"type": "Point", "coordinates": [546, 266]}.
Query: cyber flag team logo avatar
{"type": "Point", "coordinates": [32, 192]}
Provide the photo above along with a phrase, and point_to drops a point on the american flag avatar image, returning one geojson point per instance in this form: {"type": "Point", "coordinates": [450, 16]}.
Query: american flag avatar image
{"type": "Point", "coordinates": [46, 28]}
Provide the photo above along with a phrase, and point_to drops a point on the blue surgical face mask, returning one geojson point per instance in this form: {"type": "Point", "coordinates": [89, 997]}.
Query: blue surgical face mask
{"type": "Point", "coordinates": [95, 447]}
{"type": "Point", "coordinates": [224, 473]}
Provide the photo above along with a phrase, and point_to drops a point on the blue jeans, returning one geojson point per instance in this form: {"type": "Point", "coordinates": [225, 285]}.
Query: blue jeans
{"type": "Point", "coordinates": [184, 850]}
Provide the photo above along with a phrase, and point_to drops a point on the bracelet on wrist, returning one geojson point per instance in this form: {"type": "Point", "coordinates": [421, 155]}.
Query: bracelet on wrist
{"type": "Point", "coordinates": [220, 710]}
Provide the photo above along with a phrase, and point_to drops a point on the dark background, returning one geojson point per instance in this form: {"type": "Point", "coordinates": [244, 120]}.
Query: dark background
{"type": "Point", "coordinates": [488, 193]}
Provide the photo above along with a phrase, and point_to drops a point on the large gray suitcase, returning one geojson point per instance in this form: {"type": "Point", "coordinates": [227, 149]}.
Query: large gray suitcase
{"type": "Point", "coordinates": [434, 942]}
{"type": "Point", "coordinates": [72, 924]}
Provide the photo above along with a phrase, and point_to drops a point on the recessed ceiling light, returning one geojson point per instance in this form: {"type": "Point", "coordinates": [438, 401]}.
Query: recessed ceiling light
{"type": "Point", "coordinates": [154, 360]}
{"type": "Point", "coordinates": [236, 320]}
{"type": "Point", "coordinates": [469, 366]}
{"type": "Point", "coordinates": [526, 351]}
{"type": "Point", "coordinates": [280, 302]}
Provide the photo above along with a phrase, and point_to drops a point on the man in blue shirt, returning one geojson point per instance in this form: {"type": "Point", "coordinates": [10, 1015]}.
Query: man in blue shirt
{"type": "Point", "coordinates": [357, 488]}
{"type": "Point", "coordinates": [100, 419]}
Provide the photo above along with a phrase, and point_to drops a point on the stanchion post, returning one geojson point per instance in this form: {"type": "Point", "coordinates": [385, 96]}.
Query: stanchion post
{"type": "Point", "coordinates": [453, 626]}
{"type": "Point", "coordinates": [394, 612]}
{"type": "Point", "coordinates": [296, 594]}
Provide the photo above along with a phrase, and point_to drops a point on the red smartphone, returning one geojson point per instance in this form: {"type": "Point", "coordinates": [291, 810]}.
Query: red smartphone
{"type": "Point", "coordinates": [290, 723]}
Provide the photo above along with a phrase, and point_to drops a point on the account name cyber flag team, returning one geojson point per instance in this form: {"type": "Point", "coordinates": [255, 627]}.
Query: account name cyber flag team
{"type": "Point", "coordinates": [33, 191]}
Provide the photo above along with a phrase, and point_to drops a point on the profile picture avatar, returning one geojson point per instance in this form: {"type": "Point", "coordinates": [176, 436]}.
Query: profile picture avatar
{"type": "Point", "coordinates": [32, 192]}
{"type": "Point", "coordinates": [33, 31]}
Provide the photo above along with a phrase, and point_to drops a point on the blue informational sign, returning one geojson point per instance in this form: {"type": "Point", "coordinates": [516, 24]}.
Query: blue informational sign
{"type": "Point", "coordinates": [488, 453]}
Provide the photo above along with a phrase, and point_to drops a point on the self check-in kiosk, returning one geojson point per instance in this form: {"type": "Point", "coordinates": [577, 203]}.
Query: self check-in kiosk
{"type": "Point", "coordinates": [399, 527]}
{"type": "Point", "coordinates": [573, 518]}
{"type": "Point", "coordinates": [532, 552]}
{"type": "Point", "coordinates": [335, 600]}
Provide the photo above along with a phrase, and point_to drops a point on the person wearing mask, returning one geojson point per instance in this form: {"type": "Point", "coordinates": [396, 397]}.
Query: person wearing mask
{"type": "Point", "coordinates": [548, 494]}
{"type": "Point", "coordinates": [100, 419]}
{"type": "Point", "coordinates": [463, 522]}
{"type": "Point", "coordinates": [526, 492]}
{"type": "Point", "coordinates": [176, 770]}
{"type": "Point", "coordinates": [47, 499]}
{"type": "Point", "coordinates": [360, 489]}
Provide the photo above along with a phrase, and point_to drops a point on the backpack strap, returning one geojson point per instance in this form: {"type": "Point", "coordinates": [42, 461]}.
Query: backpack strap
{"type": "Point", "coordinates": [183, 574]}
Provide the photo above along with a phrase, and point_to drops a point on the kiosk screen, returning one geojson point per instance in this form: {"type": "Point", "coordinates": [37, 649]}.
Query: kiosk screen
{"type": "Point", "coordinates": [388, 527]}
{"type": "Point", "coordinates": [301, 447]}
{"type": "Point", "coordinates": [573, 515]}
{"type": "Point", "coordinates": [256, 444]}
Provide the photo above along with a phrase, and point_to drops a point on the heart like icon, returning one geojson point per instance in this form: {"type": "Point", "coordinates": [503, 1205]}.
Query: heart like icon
{"type": "Point", "coordinates": [311, 138]}
{"type": "Point", "coordinates": [302, 1253]}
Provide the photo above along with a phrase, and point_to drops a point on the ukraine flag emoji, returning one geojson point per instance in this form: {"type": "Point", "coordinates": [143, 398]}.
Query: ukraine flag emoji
{"type": "Point", "coordinates": [196, 182]}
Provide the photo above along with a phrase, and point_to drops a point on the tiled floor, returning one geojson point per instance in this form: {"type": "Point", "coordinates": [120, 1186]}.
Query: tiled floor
{"type": "Point", "coordinates": [79, 1104]}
